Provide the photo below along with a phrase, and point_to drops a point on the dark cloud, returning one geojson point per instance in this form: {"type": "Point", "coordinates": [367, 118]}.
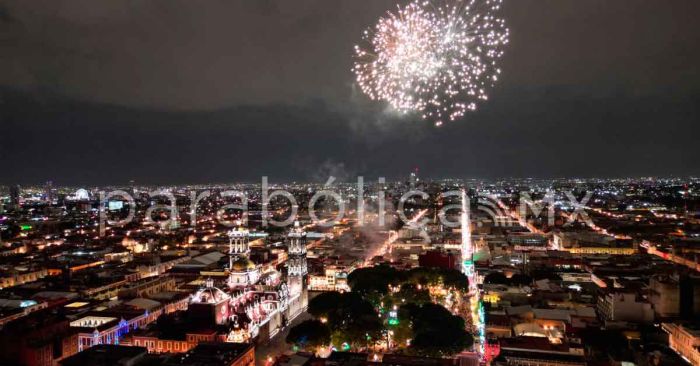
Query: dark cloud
{"type": "Point", "coordinates": [195, 91]}
{"type": "Point", "coordinates": [531, 132]}
{"type": "Point", "coordinates": [183, 54]}
{"type": "Point", "coordinates": [5, 16]}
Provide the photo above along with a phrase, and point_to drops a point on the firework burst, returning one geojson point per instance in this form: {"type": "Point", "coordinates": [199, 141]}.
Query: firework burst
{"type": "Point", "coordinates": [437, 60]}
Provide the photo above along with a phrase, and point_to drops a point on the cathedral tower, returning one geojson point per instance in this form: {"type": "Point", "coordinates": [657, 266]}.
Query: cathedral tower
{"type": "Point", "coordinates": [297, 270]}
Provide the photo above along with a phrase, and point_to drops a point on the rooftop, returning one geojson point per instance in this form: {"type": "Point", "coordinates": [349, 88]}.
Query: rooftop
{"type": "Point", "coordinates": [210, 354]}
{"type": "Point", "coordinates": [106, 355]}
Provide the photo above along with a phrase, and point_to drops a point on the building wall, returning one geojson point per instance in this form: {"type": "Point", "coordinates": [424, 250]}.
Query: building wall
{"type": "Point", "coordinates": [44, 346]}
{"type": "Point", "coordinates": [601, 250]}
{"type": "Point", "coordinates": [17, 279]}
{"type": "Point", "coordinates": [683, 341]}
{"type": "Point", "coordinates": [49, 354]}
{"type": "Point", "coordinates": [246, 359]}
{"type": "Point", "coordinates": [438, 259]}
{"type": "Point", "coordinates": [665, 297]}
{"type": "Point", "coordinates": [155, 345]}
{"type": "Point", "coordinates": [516, 361]}
{"type": "Point", "coordinates": [116, 333]}
{"type": "Point", "coordinates": [149, 287]}
{"type": "Point", "coordinates": [333, 279]}
{"type": "Point", "coordinates": [104, 292]}
{"type": "Point", "coordinates": [624, 307]}
{"type": "Point", "coordinates": [689, 297]}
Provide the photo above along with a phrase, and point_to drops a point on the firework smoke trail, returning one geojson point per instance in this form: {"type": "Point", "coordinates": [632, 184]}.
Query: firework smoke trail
{"type": "Point", "coordinates": [435, 59]}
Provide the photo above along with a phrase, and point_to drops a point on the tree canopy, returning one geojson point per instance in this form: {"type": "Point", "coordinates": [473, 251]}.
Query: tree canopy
{"type": "Point", "coordinates": [309, 334]}
{"type": "Point", "coordinates": [449, 278]}
{"type": "Point", "coordinates": [436, 332]}
{"type": "Point", "coordinates": [432, 330]}
{"type": "Point", "coordinates": [350, 318]}
{"type": "Point", "coordinates": [377, 279]}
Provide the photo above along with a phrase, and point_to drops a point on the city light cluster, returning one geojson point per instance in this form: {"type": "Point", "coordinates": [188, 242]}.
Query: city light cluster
{"type": "Point", "coordinates": [438, 60]}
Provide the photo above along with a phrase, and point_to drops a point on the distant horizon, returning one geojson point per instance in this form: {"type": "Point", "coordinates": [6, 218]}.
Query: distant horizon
{"type": "Point", "coordinates": [367, 181]}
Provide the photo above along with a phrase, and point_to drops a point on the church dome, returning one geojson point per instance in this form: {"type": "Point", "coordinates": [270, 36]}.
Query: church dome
{"type": "Point", "coordinates": [242, 264]}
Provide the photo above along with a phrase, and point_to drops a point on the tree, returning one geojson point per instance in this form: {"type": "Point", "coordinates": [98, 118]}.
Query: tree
{"type": "Point", "coordinates": [412, 294]}
{"type": "Point", "coordinates": [436, 331]}
{"type": "Point", "coordinates": [454, 278]}
{"type": "Point", "coordinates": [403, 331]}
{"type": "Point", "coordinates": [322, 305]}
{"type": "Point", "coordinates": [351, 318]}
{"type": "Point", "coordinates": [374, 279]}
{"type": "Point", "coordinates": [438, 276]}
{"type": "Point", "coordinates": [433, 330]}
{"type": "Point", "coordinates": [309, 334]}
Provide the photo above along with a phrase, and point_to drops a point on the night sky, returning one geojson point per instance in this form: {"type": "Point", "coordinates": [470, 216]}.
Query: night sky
{"type": "Point", "coordinates": [182, 91]}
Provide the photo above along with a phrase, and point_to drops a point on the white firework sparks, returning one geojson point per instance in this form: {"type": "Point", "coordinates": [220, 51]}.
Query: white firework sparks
{"type": "Point", "coordinates": [438, 60]}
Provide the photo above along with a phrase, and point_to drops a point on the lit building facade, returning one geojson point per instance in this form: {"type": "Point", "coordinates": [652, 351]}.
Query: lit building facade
{"type": "Point", "coordinates": [256, 304]}
{"type": "Point", "coordinates": [297, 271]}
{"type": "Point", "coordinates": [96, 330]}
{"type": "Point", "coordinates": [684, 340]}
{"type": "Point", "coordinates": [333, 278]}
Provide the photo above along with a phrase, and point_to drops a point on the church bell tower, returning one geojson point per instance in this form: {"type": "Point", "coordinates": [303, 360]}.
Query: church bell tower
{"type": "Point", "coordinates": [297, 270]}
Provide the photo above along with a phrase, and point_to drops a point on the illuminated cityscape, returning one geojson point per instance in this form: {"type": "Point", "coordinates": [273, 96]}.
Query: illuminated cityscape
{"type": "Point", "coordinates": [535, 270]}
{"type": "Point", "coordinates": [349, 183]}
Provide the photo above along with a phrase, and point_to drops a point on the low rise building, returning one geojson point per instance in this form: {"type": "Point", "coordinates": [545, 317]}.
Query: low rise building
{"type": "Point", "coordinates": [107, 355]}
{"type": "Point", "coordinates": [216, 354]}
{"type": "Point", "coordinates": [39, 339]}
{"type": "Point", "coordinates": [685, 340]}
{"type": "Point", "coordinates": [110, 326]}
{"type": "Point", "coordinates": [147, 287]}
{"type": "Point", "coordinates": [625, 307]}
{"type": "Point", "coordinates": [333, 278]}
{"type": "Point", "coordinates": [591, 243]}
{"type": "Point", "coordinates": [445, 259]}
{"type": "Point", "coordinates": [16, 275]}
{"type": "Point", "coordinates": [538, 351]}
{"type": "Point", "coordinates": [528, 241]}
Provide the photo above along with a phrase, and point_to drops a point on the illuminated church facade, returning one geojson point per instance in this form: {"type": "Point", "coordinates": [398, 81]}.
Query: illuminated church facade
{"type": "Point", "coordinates": [256, 304]}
